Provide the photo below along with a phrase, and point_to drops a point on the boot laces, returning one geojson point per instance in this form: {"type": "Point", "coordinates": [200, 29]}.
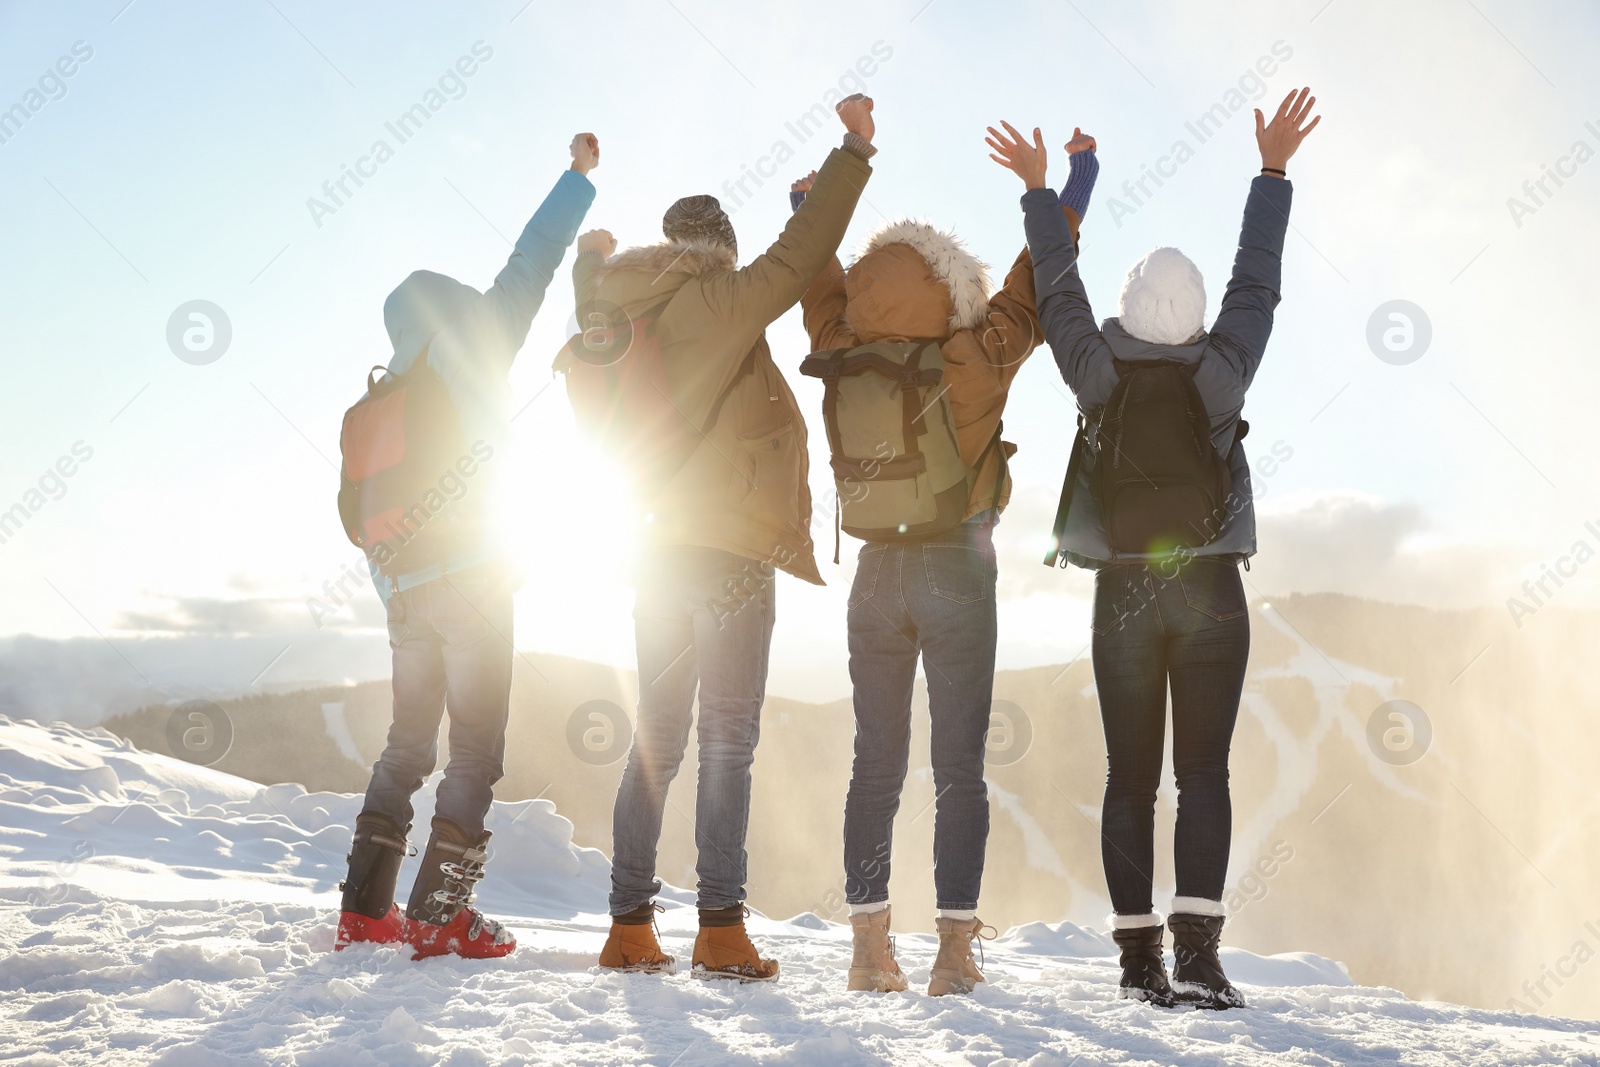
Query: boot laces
{"type": "Point", "coordinates": [658, 909]}
{"type": "Point", "coordinates": [978, 937]}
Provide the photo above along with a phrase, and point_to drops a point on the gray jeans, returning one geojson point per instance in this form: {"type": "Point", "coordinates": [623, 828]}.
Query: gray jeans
{"type": "Point", "coordinates": [702, 619]}
{"type": "Point", "coordinates": [452, 647]}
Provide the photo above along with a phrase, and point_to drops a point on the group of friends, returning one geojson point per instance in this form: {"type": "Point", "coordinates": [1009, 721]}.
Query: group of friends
{"type": "Point", "coordinates": [721, 479]}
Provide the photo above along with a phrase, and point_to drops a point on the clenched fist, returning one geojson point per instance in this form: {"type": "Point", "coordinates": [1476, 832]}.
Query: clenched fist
{"type": "Point", "coordinates": [585, 152]}
{"type": "Point", "coordinates": [598, 241]}
{"type": "Point", "coordinates": [855, 111]}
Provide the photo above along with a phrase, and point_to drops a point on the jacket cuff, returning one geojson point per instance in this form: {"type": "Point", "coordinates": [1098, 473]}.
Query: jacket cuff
{"type": "Point", "coordinates": [859, 145]}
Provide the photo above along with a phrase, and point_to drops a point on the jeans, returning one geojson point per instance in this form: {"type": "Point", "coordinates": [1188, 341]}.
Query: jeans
{"type": "Point", "coordinates": [702, 619]}
{"type": "Point", "coordinates": [1189, 628]}
{"type": "Point", "coordinates": [934, 598]}
{"type": "Point", "coordinates": [452, 648]}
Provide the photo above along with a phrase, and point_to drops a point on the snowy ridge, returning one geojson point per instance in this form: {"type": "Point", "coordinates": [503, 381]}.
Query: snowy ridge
{"type": "Point", "coordinates": [156, 912]}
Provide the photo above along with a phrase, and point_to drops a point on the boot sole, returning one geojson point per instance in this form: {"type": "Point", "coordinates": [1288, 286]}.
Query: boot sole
{"type": "Point", "coordinates": [871, 980]}
{"type": "Point", "coordinates": [1145, 996]}
{"type": "Point", "coordinates": [642, 968]}
{"type": "Point", "coordinates": [706, 974]}
{"type": "Point", "coordinates": [1199, 996]}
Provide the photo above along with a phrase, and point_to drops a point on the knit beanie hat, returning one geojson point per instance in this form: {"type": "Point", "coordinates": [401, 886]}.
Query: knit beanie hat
{"type": "Point", "coordinates": [1164, 299]}
{"type": "Point", "coordinates": [699, 218]}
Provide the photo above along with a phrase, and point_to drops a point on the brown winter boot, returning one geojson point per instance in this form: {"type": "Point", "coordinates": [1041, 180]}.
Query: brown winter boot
{"type": "Point", "coordinates": [953, 969]}
{"type": "Point", "coordinates": [723, 949]}
{"type": "Point", "coordinates": [633, 946]}
{"type": "Point", "coordinates": [872, 966]}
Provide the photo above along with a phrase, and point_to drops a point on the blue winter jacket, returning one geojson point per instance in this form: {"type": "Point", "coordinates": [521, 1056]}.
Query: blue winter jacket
{"type": "Point", "coordinates": [471, 340]}
{"type": "Point", "coordinates": [1227, 357]}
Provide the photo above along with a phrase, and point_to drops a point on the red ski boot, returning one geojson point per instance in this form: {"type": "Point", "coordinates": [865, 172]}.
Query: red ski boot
{"type": "Point", "coordinates": [470, 935]}
{"type": "Point", "coordinates": [441, 920]}
{"type": "Point", "coordinates": [356, 928]}
{"type": "Point", "coordinates": [368, 913]}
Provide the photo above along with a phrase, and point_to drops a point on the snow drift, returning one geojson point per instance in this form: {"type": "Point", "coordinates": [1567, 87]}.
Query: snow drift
{"type": "Point", "coordinates": [161, 913]}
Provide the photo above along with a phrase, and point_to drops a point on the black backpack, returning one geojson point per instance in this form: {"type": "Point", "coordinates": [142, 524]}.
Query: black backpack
{"type": "Point", "coordinates": [1159, 482]}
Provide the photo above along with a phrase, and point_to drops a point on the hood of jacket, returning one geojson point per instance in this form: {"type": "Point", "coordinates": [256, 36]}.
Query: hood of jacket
{"type": "Point", "coordinates": [421, 307]}
{"type": "Point", "coordinates": [641, 277]}
{"type": "Point", "coordinates": [1129, 349]}
{"type": "Point", "coordinates": [913, 280]}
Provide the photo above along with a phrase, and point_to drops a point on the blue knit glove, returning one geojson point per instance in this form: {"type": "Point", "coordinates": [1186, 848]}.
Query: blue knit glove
{"type": "Point", "coordinates": [1084, 168]}
{"type": "Point", "coordinates": [796, 198]}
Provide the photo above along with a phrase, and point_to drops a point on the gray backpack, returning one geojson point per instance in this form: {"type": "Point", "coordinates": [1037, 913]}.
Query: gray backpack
{"type": "Point", "coordinates": [896, 461]}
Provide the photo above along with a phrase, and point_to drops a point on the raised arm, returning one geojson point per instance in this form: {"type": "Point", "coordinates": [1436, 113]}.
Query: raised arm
{"type": "Point", "coordinates": [777, 278]}
{"type": "Point", "coordinates": [1244, 323]}
{"type": "Point", "coordinates": [519, 288]}
{"type": "Point", "coordinates": [823, 305]}
{"type": "Point", "coordinates": [1064, 314]}
{"type": "Point", "coordinates": [1014, 330]}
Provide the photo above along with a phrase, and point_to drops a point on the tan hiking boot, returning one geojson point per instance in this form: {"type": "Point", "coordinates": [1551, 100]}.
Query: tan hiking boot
{"type": "Point", "coordinates": [872, 966]}
{"type": "Point", "coordinates": [954, 970]}
{"type": "Point", "coordinates": [726, 952]}
{"type": "Point", "coordinates": [635, 948]}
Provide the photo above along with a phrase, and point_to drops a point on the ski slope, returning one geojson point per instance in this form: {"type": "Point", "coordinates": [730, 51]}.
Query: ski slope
{"type": "Point", "coordinates": [152, 912]}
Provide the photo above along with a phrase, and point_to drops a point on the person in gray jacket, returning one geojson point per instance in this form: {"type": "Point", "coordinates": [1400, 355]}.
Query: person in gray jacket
{"type": "Point", "coordinates": [1177, 619]}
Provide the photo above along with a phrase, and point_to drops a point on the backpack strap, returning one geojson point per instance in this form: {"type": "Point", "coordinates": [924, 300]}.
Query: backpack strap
{"type": "Point", "coordinates": [1068, 488]}
{"type": "Point", "coordinates": [912, 378]}
{"type": "Point", "coordinates": [994, 445]}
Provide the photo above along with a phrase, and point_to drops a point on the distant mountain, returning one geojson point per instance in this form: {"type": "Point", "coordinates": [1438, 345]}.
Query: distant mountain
{"type": "Point", "coordinates": [1458, 875]}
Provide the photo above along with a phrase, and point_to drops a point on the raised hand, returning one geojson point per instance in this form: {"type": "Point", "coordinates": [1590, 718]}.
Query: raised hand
{"type": "Point", "coordinates": [855, 111]}
{"type": "Point", "coordinates": [1081, 142]}
{"type": "Point", "coordinates": [598, 241]}
{"type": "Point", "coordinates": [585, 152]}
{"type": "Point", "coordinates": [1280, 138]}
{"type": "Point", "coordinates": [804, 184]}
{"type": "Point", "coordinates": [1026, 160]}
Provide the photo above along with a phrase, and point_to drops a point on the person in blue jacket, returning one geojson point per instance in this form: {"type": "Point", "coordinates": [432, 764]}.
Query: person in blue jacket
{"type": "Point", "coordinates": [1178, 620]}
{"type": "Point", "coordinates": [450, 624]}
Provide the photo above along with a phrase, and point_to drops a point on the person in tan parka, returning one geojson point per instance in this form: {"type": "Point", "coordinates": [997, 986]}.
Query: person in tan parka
{"type": "Point", "coordinates": [713, 532]}
{"type": "Point", "coordinates": [932, 596]}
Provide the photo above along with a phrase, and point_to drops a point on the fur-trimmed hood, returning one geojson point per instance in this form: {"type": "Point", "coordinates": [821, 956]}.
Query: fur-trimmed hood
{"type": "Point", "coordinates": [913, 279]}
{"type": "Point", "coordinates": [680, 257]}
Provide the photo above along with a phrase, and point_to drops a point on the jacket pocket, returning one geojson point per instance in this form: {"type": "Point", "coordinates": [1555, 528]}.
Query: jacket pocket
{"type": "Point", "coordinates": [761, 463]}
{"type": "Point", "coordinates": [958, 573]}
{"type": "Point", "coordinates": [869, 564]}
{"type": "Point", "coordinates": [1213, 588]}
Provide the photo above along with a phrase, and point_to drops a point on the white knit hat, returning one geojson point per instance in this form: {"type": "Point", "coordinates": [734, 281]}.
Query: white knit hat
{"type": "Point", "coordinates": [1164, 299]}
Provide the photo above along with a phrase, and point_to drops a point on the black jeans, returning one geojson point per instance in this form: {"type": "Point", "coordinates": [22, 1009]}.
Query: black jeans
{"type": "Point", "coordinates": [1189, 628]}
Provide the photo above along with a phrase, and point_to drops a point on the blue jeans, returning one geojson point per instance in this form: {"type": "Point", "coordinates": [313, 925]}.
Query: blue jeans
{"type": "Point", "coordinates": [702, 619]}
{"type": "Point", "coordinates": [1189, 629]}
{"type": "Point", "coordinates": [452, 648]}
{"type": "Point", "coordinates": [932, 598]}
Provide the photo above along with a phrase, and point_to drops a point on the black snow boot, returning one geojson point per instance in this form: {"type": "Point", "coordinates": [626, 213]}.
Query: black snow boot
{"type": "Point", "coordinates": [1144, 973]}
{"type": "Point", "coordinates": [451, 866]}
{"type": "Point", "coordinates": [375, 855]}
{"type": "Point", "coordinates": [1198, 978]}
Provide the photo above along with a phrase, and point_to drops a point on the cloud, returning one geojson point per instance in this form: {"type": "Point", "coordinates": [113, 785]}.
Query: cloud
{"type": "Point", "coordinates": [213, 615]}
{"type": "Point", "coordinates": [1346, 542]}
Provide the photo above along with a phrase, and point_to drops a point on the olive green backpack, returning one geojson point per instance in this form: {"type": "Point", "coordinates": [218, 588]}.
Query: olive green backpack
{"type": "Point", "coordinates": [896, 461]}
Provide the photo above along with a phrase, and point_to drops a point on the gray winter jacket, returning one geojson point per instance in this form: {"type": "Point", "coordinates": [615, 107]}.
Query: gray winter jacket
{"type": "Point", "coordinates": [1227, 356]}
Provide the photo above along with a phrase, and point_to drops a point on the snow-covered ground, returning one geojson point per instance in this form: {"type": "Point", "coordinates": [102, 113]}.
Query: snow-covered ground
{"type": "Point", "coordinates": [155, 912]}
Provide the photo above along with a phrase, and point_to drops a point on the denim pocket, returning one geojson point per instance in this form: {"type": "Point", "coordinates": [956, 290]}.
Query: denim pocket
{"type": "Point", "coordinates": [1111, 598]}
{"type": "Point", "coordinates": [958, 572]}
{"type": "Point", "coordinates": [868, 565]}
{"type": "Point", "coordinates": [1213, 588]}
{"type": "Point", "coordinates": [395, 610]}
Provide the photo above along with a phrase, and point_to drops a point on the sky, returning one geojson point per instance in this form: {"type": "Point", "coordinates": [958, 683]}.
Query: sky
{"type": "Point", "coordinates": [177, 162]}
